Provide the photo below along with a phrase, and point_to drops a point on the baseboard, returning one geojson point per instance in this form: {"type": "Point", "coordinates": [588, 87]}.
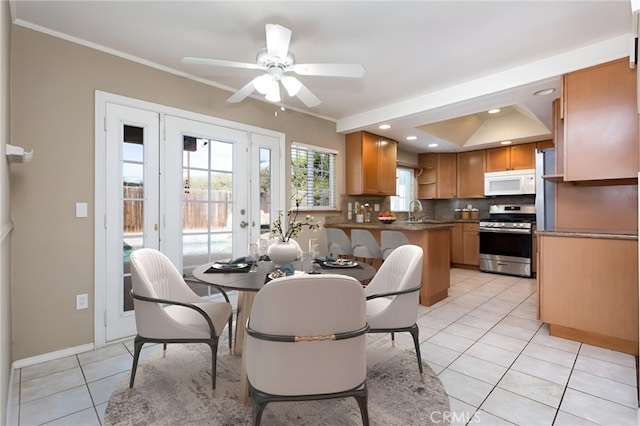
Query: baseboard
{"type": "Point", "coordinates": [595, 339]}
{"type": "Point", "coordinates": [26, 362]}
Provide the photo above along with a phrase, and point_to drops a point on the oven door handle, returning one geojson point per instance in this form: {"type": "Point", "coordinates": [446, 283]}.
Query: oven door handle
{"type": "Point", "coordinates": [506, 231]}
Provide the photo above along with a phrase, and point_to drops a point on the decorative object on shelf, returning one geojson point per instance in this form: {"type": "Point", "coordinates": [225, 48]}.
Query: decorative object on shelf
{"type": "Point", "coordinates": [17, 154]}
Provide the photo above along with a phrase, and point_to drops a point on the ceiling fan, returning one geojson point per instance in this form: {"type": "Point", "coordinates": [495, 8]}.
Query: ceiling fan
{"type": "Point", "coordinates": [277, 61]}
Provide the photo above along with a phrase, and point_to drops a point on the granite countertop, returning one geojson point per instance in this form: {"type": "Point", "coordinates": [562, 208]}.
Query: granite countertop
{"type": "Point", "coordinates": [398, 225]}
{"type": "Point", "coordinates": [590, 233]}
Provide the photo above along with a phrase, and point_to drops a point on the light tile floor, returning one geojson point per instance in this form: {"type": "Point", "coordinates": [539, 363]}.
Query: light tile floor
{"type": "Point", "coordinates": [498, 364]}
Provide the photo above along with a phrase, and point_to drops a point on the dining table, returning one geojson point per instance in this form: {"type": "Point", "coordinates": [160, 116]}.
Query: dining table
{"type": "Point", "coordinates": [247, 284]}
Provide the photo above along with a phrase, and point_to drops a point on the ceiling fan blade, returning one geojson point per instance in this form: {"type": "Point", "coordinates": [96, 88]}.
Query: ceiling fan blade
{"type": "Point", "coordinates": [278, 38]}
{"type": "Point", "coordinates": [219, 63]}
{"type": "Point", "coordinates": [330, 70]}
{"type": "Point", "coordinates": [244, 92]}
{"type": "Point", "coordinates": [307, 97]}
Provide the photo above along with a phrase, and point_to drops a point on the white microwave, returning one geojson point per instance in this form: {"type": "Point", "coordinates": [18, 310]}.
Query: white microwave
{"type": "Point", "coordinates": [511, 182]}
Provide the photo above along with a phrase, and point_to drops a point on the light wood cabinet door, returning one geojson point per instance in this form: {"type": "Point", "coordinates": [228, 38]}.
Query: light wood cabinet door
{"type": "Point", "coordinates": [455, 244]}
{"type": "Point", "coordinates": [523, 156]}
{"type": "Point", "coordinates": [588, 290]}
{"type": "Point", "coordinates": [471, 244]}
{"type": "Point", "coordinates": [471, 167]}
{"type": "Point", "coordinates": [601, 123]}
{"type": "Point", "coordinates": [498, 159]}
{"type": "Point", "coordinates": [438, 178]}
{"type": "Point", "coordinates": [387, 161]}
{"type": "Point", "coordinates": [370, 164]}
{"type": "Point", "coordinates": [517, 157]}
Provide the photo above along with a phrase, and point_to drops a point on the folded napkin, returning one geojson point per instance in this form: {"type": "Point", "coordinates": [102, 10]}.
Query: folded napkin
{"type": "Point", "coordinates": [287, 268]}
{"type": "Point", "coordinates": [324, 259]}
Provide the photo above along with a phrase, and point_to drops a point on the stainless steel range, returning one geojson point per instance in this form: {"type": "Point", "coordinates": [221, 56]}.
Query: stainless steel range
{"type": "Point", "coordinates": [506, 239]}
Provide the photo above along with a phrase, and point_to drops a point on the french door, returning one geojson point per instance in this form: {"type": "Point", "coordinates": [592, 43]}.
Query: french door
{"type": "Point", "coordinates": [196, 188]}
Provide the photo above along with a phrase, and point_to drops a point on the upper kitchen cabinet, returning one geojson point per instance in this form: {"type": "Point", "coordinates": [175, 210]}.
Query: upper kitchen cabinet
{"type": "Point", "coordinates": [516, 157]}
{"type": "Point", "coordinates": [601, 122]}
{"type": "Point", "coordinates": [370, 164]}
{"type": "Point", "coordinates": [438, 177]}
{"type": "Point", "coordinates": [471, 167]}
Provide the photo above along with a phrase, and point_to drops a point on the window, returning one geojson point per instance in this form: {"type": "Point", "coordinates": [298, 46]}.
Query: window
{"type": "Point", "coordinates": [313, 177]}
{"type": "Point", "coordinates": [404, 189]}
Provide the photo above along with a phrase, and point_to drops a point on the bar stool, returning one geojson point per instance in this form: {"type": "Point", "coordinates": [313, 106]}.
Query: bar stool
{"type": "Point", "coordinates": [390, 240]}
{"type": "Point", "coordinates": [365, 246]}
{"type": "Point", "coordinates": [338, 243]}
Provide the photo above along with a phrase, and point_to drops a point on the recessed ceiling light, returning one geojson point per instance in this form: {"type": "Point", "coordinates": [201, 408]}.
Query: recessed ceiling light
{"type": "Point", "coordinates": [432, 145]}
{"type": "Point", "coordinates": [544, 92]}
{"type": "Point", "coordinates": [505, 143]}
{"type": "Point", "coordinates": [494, 111]}
{"type": "Point", "coordinates": [385, 126]}
{"type": "Point", "coordinates": [412, 138]}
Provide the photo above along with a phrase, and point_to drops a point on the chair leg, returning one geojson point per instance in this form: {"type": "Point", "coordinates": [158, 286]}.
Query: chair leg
{"type": "Point", "coordinates": [137, 344]}
{"type": "Point", "coordinates": [393, 339]}
{"type": "Point", "coordinates": [361, 398]}
{"type": "Point", "coordinates": [164, 350]}
{"type": "Point", "coordinates": [214, 361]}
{"type": "Point", "coordinates": [415, 333]}
{"type": "Point", "coordinates": [258, 404]}
{"type": "Point", "coordinates": [230, 333]}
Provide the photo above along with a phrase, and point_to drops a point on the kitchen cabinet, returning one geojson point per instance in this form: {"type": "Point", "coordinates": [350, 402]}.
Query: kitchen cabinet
{"type": "Point", "coordinates": [545, 144]}
{"type": "Point", "coordinates": [558, 135]}
{"type": "Point", "coordinates": [516, 157]}
{"type": "Point", "coordinates": [588, 288]}
{"type": "Point", "coordinates": [370, 164]}
{"type": "Point", "coordinates": [471, 167]}
{"type": "Point", "coordinates": [465, 244]}
{"type": "Point", "coordinates": [601, 122]}
{"type": "Point", "coordinates": [438, 177]}
{"type": "Point", "coordinates": [455, 244]}
{"type": "Point", "coordinates": [434, 240]}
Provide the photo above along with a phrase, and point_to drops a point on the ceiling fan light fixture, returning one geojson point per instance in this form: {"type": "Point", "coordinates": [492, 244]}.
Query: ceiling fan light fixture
{"type": "Point", "coordinates": [291, 84]}
{"type": "Point", "coordinates": [274, 92]}
{"type": "Point", "coordinates": [263, 84]}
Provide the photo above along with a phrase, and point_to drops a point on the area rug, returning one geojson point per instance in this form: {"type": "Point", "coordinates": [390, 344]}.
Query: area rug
{"type": "Point", "coordinates": [176, 390]}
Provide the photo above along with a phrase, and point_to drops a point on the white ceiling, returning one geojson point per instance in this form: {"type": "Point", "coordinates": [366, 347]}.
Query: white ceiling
{"type": "Point", "coordinates": [425, 61]}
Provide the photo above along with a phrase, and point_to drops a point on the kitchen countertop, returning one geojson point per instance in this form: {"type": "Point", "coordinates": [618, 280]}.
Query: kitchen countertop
{"type": "Point", "coordinates": [590, 233]}
{"type": "Point", "coordinates": [398, 225]}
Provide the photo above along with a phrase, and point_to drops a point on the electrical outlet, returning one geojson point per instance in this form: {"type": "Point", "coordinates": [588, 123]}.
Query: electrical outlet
{"type": "Point", "coordinates": [82, 301]}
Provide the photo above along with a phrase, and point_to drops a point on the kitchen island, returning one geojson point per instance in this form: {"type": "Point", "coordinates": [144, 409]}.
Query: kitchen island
{"type": "Point", "coordinates": [588, 286]}
{"type": "Point", "coordinates": [432, 236]}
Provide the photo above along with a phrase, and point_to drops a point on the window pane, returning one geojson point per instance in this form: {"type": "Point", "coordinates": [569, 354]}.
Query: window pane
{"type": "Point", "coordinates": [206, 208]}
{"type": "Point", "coordinates": [265, 190]}
{"type": "Point", "coordinates": [312, 177]}
{"type": "Point", "coordinates": [404, 189]}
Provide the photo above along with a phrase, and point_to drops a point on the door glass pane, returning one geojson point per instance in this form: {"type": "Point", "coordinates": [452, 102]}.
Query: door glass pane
{"type": "Point", "coordinates": [265, 192]}
{"type": "Point", "coordinates": [207, 202]}
{"type": "Point", "coordinates": [132, 202]}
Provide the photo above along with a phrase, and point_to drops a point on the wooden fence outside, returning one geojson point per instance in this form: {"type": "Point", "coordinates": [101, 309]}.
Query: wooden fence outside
{"type": "Point", "coordinates": [194, 209]}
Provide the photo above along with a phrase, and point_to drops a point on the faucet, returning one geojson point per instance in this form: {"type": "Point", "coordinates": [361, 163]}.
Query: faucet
{"type": "Point", "coordinates": [412, 208]}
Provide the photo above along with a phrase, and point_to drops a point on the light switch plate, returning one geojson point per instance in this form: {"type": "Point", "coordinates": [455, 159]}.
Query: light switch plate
{"type": "Point", "coordinates": [82, 210]}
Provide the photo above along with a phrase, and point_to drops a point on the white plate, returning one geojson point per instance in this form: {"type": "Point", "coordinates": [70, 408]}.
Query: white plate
{"type": "Point", "coordinates": [337, 264]}
{"type": "Point", "coordinates": [295, 273]}
{"type": "Point", "coordinates": [229, 266]}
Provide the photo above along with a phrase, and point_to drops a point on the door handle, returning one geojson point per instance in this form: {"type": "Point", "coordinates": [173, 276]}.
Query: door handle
{"type": "Point", "coordinates": [243, 224]}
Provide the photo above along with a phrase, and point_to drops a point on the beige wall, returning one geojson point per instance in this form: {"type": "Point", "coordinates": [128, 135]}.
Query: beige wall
{"type": "Point", "coordinates": [5, 216]}
{"type": "Point", "coordinates": [52, 111]}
